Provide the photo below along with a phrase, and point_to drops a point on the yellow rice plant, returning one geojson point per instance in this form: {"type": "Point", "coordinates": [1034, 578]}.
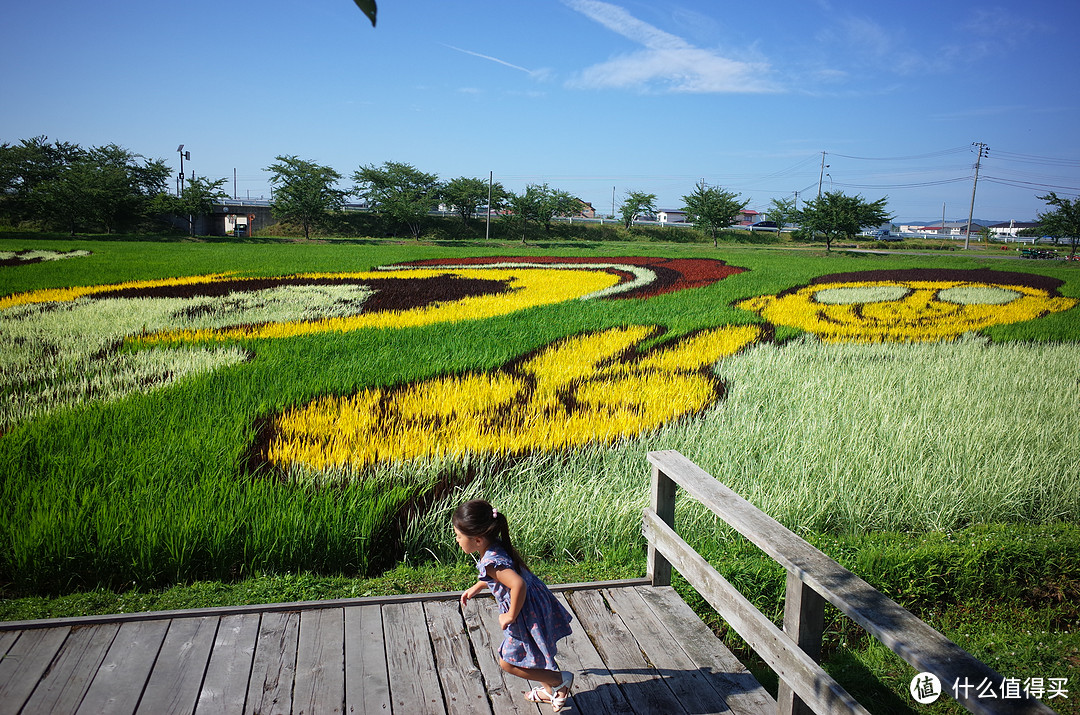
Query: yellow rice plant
{"type": "Point", "coordinates": [585, 389]}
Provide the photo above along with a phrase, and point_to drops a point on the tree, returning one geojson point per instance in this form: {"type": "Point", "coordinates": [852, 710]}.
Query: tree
{"type": "Point", "coordinates": [782, 212]}
{"type": "Point", "coordinates": [835, 214]}
{"type": "Point", "coordinates": [554, 202]}
{"type": "Point", "coordinates": [24, 167]}
{"type": "Point", "coordinates": [401, 191]}
{"type": "Point", "coordinates": [106, 186]}
{"type": "Point", "coordinates": [1063, 221]}
{"type": "Point", "coordinates": [304, 192]}
{"type": "Point", "coordinates": [713, 208]}
{"type": "Point", "coordinates": [523, 208]}
{"type": "Point", "coordinates": [124, 184]}
{"type": "Point", "coordinates": [67, 199]}
{"type": "Point", "coordinates": [465, 195]}
{"type": "Point", "coordinates": [196, 199]}
{"type": "Point", "coordinates": [637, 204]}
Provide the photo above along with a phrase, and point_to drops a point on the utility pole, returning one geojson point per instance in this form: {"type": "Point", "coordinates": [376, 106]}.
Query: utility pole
{"type": "Point", "coordinates": [821, 176]}
{"type": "Point", "coordinates": [487, 228]}
{"type": "Point", "coordinates": [796, 200]}
{"type": "Point", "coordinates": [984, 150]}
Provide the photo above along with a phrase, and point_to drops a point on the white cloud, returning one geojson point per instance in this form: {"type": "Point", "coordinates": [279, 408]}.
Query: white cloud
{"type": "Point", "coordinates": [667, 62]}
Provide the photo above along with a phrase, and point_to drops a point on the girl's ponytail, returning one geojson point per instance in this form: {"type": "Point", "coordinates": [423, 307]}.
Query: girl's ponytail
{"type": "Point", "coordinates": [479, 518]}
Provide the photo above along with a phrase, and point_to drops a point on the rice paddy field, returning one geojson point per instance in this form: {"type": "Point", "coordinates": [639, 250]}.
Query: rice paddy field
{"type": "Point", "coordinates": [184, 413]}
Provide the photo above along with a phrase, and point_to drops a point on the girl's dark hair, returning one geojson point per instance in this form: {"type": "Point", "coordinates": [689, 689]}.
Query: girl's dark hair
{"type": "Point", "coordinates": [479, 518]}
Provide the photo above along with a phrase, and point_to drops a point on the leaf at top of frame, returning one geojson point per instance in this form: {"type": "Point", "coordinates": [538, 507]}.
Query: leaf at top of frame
{"type": "Point", "coordinates": [368, 6]}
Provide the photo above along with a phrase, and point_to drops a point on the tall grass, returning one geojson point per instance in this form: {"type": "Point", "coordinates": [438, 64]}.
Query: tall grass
{"type": "Point", "coordinates": [825, 438]}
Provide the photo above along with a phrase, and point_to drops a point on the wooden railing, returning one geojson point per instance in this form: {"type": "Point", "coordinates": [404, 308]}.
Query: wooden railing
{"type": "Point", "coordinates": [812, 580]}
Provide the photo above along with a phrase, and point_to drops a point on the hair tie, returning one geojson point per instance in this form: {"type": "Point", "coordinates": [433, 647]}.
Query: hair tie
{"type": "Point", "coordinates": [494, 513]}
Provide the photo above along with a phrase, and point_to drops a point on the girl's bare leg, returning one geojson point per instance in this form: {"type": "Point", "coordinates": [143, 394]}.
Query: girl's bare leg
{"type": "Point", "coordinates": [551, 678]}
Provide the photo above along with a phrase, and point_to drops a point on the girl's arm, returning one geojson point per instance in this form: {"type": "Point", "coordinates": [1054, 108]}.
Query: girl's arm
{"type": "Point", "coordinates": [471, 592]}
{"type": "Point", "coordinates": [516, 585]}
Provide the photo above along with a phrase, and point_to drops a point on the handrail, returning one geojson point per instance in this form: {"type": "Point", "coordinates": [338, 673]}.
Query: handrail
{"type": "Point", "coordinates": [813, 578]}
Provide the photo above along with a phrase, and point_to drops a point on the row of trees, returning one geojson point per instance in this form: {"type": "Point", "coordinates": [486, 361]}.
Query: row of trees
{"type": "Point", "coordinates": [833, 214]}
{"type": "Point", "coordinates": [62, 185]}
{"type": "Point", "coordinates": [306, 192]}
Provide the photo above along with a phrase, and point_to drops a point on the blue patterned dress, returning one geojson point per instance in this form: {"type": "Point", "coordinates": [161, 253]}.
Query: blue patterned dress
{"type": "Point", "coordinates": [529, 642]}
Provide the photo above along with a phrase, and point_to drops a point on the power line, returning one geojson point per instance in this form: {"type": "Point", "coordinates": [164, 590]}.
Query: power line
{"type": "Point", "coordinates": [931, 155]}
{"type": "Point", "coordinates": [1016, 183]}
{"type": "Point", "coordinates": [917, 185]}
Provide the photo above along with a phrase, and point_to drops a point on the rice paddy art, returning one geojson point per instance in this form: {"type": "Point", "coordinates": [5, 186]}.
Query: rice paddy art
{"type": "Point", "coordinates": [19, 258]}
{"type": "Point", "coordinates": [63, 346]}
{"type": "Point", "coordinates": [915, 305]}
{"type": "Point", "coordinates": [591, 388]}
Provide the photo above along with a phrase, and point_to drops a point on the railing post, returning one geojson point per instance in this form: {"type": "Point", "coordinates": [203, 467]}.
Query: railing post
{"type": "Point", "coordinates": [804, 622]}
{"type": "Point", "coordinates": [663, 503]}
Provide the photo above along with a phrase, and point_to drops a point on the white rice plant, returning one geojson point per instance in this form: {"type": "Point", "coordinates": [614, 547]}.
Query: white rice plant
{"type": "Point", "coordinates": [59, 354]}
{"type": "Point", "coordinates": [825, 437]}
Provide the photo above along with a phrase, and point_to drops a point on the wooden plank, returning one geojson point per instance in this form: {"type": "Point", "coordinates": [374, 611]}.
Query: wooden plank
{"type": "Point", "coordinates": [6, 626]}
{"type": "Point", "coordinates": [119, 682]}
{"type": "Point", "coordinates": [804, 622]}
{"type": "Point", "coordinates": [414, 686]}
{"type": "Point", "coordinates": [25, 663]}
{"type": "Point", "coordinates": [63, 687]}
{"type": "Point", "coordinates": [178, 673]}
{"type": "Point", "coordinates": [595, 689]}
{"type": "Point", "coordinates": [462, 684]}
{"type": "Point", "coordinates": [799, 670]}
{"type": "Point", "coordinates": [225, 687]}
{"type": "Point", "coordinates": [320, 663]}
{"type": "Point", "coordinates": [273, 667]}
{"type": "Point", "coordinates": [504, 691]}
{"type": "Point", "coordinates": [639, 681]}
{"type": "Point", "coordinates": [694, 691]}
{"type": "Point", "coordinates": [662, 493]}
{"type": "Point", "coordinates": [367, 683]}
{"type": "Point", "coordinates": [742, 691]}
{"type": "Point", "coordinates": [898, 629]}
{"type": "Point", "coordinates": [7, 639]}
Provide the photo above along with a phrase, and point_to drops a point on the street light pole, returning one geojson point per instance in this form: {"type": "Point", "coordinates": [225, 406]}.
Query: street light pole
{"type": "Point", "coordinates": [183, 155]}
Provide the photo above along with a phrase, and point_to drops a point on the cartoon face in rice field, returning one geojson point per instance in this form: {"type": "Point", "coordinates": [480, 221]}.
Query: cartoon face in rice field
{"type": "Point", "coordinates": [63, 346]}
{"type": "Point", "coordinates": [916, 305]}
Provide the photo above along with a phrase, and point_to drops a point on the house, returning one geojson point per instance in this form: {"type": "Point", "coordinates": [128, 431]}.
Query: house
{"type": "Point", "coordinates": [748, 217]}
{"type": "Point", "coordinates": [951, 229]}
{"type": "Point", "coordinates": [1010, 229]}
{"type": "Point", "coordinates": [671, 216]}
{"type": "Point", "coordinates": [585, 209]}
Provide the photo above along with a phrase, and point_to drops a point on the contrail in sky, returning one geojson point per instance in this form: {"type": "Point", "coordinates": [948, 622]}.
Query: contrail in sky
{"type": "Point", "coordinates": [493, 59]}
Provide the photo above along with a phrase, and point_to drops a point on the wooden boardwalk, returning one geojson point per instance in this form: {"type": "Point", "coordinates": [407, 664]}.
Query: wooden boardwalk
{"type": "Point", "coordinates": [635, 649]}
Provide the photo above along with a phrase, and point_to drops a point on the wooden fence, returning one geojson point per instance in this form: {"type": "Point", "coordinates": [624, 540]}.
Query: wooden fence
{"type": "Point", "coordinates": [812, 580]}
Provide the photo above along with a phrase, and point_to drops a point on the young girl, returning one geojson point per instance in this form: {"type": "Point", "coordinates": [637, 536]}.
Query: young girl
{"type": "Point", "coordinates": [531, 617]}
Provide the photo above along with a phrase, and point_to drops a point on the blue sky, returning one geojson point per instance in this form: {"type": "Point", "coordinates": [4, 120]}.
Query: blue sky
{"type": "Point", "coordinates": [588, 96]}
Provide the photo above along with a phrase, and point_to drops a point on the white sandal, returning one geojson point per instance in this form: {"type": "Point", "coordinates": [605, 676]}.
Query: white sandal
{"type": "Point", "coordinates": [538, 695]}
{"type": "Point", "coordinates": [559, 701]}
